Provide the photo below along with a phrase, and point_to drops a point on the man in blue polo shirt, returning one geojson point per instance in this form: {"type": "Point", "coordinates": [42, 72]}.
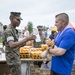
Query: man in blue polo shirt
{"type": "Point", "coordinates": [62, 61]}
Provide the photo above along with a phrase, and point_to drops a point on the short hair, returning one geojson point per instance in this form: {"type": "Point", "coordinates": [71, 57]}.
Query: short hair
{"type": "Point", "coordinates": [4, 27]}
{"type": "Point", "coordinates": [63, 16]}
{"type": "Point", "coordinates": [11, 17]}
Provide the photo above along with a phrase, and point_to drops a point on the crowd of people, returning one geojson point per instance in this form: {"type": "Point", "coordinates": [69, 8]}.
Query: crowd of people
{"type": "Point", "coordinates": [63, 37]}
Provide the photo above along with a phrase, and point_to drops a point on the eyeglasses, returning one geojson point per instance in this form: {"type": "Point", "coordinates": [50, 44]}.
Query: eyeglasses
{"type": "Point", "coordinates": [39, 29]}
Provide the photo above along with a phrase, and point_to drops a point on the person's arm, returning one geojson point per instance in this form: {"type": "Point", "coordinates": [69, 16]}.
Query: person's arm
{"type": "Point", "coordinates": [13, 44]}
{"type": "Point", "coordinates": [66, 43]}
{"type": "Point", "coordinates": [57, 51]}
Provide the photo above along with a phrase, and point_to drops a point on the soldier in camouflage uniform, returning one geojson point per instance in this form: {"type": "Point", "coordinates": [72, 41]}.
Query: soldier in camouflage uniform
{"type": "Point", "coordinates": [12, 44]}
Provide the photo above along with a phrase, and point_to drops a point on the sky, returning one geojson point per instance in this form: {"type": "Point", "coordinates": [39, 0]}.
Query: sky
{"type": "Point", "coordinates": [39, 12]}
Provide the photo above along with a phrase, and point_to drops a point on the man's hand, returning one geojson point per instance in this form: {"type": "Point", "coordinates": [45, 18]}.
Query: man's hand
{"type": "Point", "coordinates": [31, 37]}
{"type": "Point", "coordinates": [50, 43]}
{"type": "Point", "coordinates": [47, 41]}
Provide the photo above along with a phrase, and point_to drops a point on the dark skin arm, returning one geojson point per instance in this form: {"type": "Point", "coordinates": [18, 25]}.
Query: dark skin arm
{"type": "Point", "coordinates": [13, 44]}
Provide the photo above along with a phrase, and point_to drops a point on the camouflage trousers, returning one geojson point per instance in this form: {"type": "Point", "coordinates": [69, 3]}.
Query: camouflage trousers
{"type": "Point", "coordinates": [15, 69]}
{"type": "Point", "coordinates": [14, 65]}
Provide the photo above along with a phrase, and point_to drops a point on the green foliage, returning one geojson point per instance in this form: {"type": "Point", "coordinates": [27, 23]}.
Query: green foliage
{"type": "Point", "coordinates": [0, 39]}
{"type": "Point", "coordinates": [30, 27]}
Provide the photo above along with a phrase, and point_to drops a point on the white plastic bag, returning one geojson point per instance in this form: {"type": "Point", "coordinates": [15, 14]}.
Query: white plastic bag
{"type": "Point", "coordinates": [44, 53]}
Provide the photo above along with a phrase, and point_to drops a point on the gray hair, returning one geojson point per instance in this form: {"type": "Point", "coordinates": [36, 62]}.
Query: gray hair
{"type": "Point", "coordinates": [63, 16]}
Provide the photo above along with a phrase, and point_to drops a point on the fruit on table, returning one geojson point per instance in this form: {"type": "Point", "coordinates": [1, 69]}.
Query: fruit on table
{"type": "Point", "coordinates": [29, 43]}
{"type": "Point", "coordinates": [24, 50]}
{"type": "Point", "coordinates": [44, 46]}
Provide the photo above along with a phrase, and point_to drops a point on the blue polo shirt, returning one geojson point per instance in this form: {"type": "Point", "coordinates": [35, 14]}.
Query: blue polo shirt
{"type": "Point", "coordinates": [63, 64]}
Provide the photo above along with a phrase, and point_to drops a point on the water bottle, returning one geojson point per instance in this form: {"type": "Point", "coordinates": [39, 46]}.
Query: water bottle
{"type": "Point", "coordinates": [0, 54]}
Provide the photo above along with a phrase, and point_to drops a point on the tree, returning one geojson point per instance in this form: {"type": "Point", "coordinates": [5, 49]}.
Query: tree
{"type": "Point", "coordinates": [30, 27]}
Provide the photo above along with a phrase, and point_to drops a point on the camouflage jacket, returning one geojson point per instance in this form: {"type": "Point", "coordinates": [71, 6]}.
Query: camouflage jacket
{"type": "Point", "coordinates": [11, 53]}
